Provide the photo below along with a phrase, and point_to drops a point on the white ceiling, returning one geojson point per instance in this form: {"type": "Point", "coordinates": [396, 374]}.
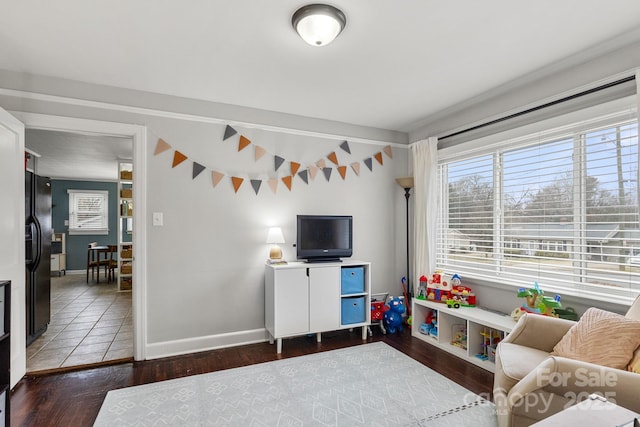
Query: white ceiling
{"type": "Point", "coordinates": [395, 63]}
{"type": "Point", "coordinates": [78, 156]}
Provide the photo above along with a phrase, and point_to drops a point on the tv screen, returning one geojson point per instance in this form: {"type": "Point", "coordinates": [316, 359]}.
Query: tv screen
{"type": "Point", "coordinates": [324, 237]}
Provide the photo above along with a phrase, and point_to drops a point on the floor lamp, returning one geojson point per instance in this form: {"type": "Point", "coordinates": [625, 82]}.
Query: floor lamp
{"type": "Point", "coordinates": [407, 184]}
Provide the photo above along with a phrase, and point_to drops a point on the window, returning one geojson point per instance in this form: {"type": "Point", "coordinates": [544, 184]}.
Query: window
{"type": "Point", "coordinates": [88, 212]}
{"type": "Point", "coordinates": [557, 207]}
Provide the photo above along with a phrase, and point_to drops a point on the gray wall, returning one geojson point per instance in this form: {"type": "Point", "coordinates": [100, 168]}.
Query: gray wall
{"type": "Point", "coordinates": [77, 244]}
{"type": "Point", "coordinates": [206, 264]}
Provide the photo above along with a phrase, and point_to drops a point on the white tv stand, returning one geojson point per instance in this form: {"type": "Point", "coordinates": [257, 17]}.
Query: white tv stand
{"type": "Point", "coordinates": [311, 298]}
{"type": "Point", "coordinates": [475, 320]}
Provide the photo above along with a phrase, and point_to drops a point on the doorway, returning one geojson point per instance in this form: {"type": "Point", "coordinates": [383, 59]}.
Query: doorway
{"type": "Point", "coordinates": [137, 135]}
{"type": "Point", "coordinates": [90, 320]}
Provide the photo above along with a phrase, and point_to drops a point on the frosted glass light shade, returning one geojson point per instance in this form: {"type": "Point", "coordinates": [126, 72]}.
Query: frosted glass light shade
{"type": "Point", "coordinates": [318, 24]}
{"type": "Point", "coordinates": [406, 182]}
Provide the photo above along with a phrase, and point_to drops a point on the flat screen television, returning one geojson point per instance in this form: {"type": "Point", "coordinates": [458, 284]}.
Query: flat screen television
{"type": "Point", "coordinates": [324, 238]}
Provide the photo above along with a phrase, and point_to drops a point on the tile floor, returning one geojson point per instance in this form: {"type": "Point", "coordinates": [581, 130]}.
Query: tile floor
{"type": "Point", "coordinates": [90, 323]}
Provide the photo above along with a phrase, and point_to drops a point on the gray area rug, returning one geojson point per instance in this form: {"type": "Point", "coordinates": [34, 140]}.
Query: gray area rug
{"type": "Point", "coordinates": [371, 384]}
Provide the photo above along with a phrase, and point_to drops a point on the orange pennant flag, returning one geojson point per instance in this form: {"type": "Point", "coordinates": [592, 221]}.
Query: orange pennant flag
{"type": "Point", "coordinates": [237, 182]}
{"type": "Point", "coordinates": [161, 146]}
{"type": "Point", "coordinates": [273, 183]}
{"type": "Point", "coordinates": [333, 157]}
{"type": "Point", "coordinates": [387, 151]}
{"type": "Point", "coordinates": [243, 142]}
{"type": "Point", "coordinates": [259, 152]}
{"type": "Point", "coordinates": [178, 158]}
{"type": "Point", "coordinates": [312, 172]}
{"type": "Point", "coordinates": [321, 164]}
{"type": "Point", "coordinates": [378, 157]}
{"type": "Point", "coordinates": [287, 181]}
{"type": "Point", "coordinates": [342, 170]}
{"type": "Point", "coordinates": [294, 167]}
{"type": "Point", "coordinates": [216, 177]}
{"type": "Point", "coordinates": [356, 168]}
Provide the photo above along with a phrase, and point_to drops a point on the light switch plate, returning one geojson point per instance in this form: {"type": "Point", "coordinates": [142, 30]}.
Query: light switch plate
{"type": "Point", "coordinates": [157, 219]}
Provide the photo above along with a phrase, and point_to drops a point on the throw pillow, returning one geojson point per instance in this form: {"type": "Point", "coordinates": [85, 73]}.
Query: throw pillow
{"type": "Point", "coordinates": [634, 365]}
{"type": "Point", "coordinates": [601, 337]}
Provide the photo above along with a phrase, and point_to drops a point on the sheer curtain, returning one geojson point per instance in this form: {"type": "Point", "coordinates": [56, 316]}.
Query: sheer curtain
{"type": "Point", "coordinates": [426, 201]}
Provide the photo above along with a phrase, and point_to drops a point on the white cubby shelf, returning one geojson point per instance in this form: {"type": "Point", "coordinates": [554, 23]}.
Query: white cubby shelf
{"type": "Point", "coordinates": [477, 321]}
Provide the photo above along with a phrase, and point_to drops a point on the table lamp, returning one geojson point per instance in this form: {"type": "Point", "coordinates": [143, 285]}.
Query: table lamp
{"type": "Point", "coordinates": [275, 237]}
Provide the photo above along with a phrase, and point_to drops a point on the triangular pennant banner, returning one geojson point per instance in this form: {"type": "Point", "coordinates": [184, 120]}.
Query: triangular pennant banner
{"type": "Point", "coordinates": [161, 146]}
{"type": "Point", "coordinates": [197, 169]}
{"type": "Point", "coordinates": [294, 167]}
{"type": "Point", "coordinates": [287, 181]}
{"type": "Point", "coordinates": [345, 147]}
{"type": "Point", "coordinates": [342, 170]}
{"type": "Point", "coordinates": [304, 176]}
{"type": "Point", "coordinates": [178, 158]}
{"type": "Point", "coordinates": [356, 168]}
{"type": "Point", "coordinates": [237, 182]}
{"type": "Point", "coordinates": [259, 152]}
{"type": "Point", "coordinates": [387, 151]}
{"type": "Point", "coordinates": [256, 183]}
{"type": "Point", "coordinates": [378, 157]}
{"type": "Point", "coordinates": [273, 183]}
{"type": "Point", "coordinates": [321, 163]}
{"type": "Point", "coordinates": [228, 132]}
{"type": "Point", "coordinates": [278, 161]}
{"type": "Point", "coordinates": [216, 177]}
{"type": "Point", "coordinates": [312, 172]}
{"type": "Point", "coordinates": [327, 173]}
{"type": "Point", "coordinates": [369, 162]}
{"type": "Point", "coordinates": [333, 157]}
{"type": "Point", "coordinates": [242, 144]}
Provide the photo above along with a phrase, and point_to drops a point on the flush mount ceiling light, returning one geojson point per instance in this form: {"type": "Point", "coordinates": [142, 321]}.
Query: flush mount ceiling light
{"type": "Point", "coordinates": [318, 24]}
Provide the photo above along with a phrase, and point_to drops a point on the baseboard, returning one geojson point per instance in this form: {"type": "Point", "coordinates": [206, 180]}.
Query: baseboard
{"type": "Point", "coordinates": [210, 342]}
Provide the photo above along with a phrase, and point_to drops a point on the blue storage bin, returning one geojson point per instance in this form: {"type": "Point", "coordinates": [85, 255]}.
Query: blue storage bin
{"type": "Point", "coordinates": [353, 310]}
{"type": "Point", "coordinates": [352, 281]}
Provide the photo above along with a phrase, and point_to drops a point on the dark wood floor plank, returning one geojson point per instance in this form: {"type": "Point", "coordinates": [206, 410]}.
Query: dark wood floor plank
{"type": "Point", "coordinates": [74, 398]}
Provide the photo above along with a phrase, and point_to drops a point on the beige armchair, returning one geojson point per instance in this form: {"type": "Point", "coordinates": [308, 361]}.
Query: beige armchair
{"type": "Point", "coordinates": [530, 384]}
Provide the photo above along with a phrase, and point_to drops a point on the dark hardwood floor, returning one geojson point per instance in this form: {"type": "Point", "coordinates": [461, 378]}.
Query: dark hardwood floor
{"type": "Point", "coordinates": [74, 398]}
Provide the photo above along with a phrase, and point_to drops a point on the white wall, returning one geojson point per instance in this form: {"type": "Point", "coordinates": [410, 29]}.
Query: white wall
{"type": "Point", "coordinates": [205, 265]}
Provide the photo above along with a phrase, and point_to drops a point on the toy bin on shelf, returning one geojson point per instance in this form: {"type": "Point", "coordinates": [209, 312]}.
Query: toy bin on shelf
{"type": "Point", "coordinates": [353, 310]}
{"type": "Point", "coordinates": [352, 280]}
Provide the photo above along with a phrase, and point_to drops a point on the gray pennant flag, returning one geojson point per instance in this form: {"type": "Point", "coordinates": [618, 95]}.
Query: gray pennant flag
{"type": "Point", "coordinates": [278, 161]}
{"type": "Point", "coordinates": [304, 175]}
{"type": "Point", "coordinates": [327, 173]}
{"type": "Point", "coordinates": [197, 169]}
{"type": "Point", "coordinates": [369, 162]}
{"type": "Point", "coordinates": [345, 147]}
{"type": "Point", "coordinates": [256, 183]}
{"type": "Point", "coordinates": [228, 132]}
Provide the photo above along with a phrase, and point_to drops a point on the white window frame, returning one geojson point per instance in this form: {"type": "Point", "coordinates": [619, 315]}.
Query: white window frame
{"type": "Point", "coordinates": [495, 145]}
{"type": "Point", "coordinates": [74, 196]}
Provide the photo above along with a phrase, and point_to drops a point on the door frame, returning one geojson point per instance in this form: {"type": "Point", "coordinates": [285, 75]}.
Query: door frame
{"type": "Point", "coordinates": [138, 134]}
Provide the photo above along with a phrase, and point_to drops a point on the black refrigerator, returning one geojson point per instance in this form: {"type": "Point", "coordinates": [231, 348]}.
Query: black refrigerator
{"type": "Point", "coordinates": [38, 254]}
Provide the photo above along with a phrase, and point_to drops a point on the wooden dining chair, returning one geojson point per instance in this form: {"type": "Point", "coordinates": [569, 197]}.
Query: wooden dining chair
{"type": "Point", "coordinates": [92, 263]}
{"type": "Point", "coordinates": [113, 262]}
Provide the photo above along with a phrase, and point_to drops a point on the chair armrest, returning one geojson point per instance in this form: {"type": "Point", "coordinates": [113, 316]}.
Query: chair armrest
{"type": "Point", "coordinates": [576, 380]}
{"type": "Point", "coordinates": [539, 332]}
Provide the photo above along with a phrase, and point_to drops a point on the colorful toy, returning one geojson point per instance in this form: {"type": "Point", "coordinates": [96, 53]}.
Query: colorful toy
{"type": "Point", "coordinates": [430, 324]}
{"type": "Point", "coordinates": [536, 302]}
{"type": "Point", "coordinates": [392, 318]}
{"type": "Point", "coordinates": [490, 338]}
{"type": "Point", "coordinates": [459, 334]}
{"type": "Point", "coordinates": [422, 288]}
{"type": "Point", "coordinates": [377, 310]}
{"type": "Point", "coordinates": [438, 289]}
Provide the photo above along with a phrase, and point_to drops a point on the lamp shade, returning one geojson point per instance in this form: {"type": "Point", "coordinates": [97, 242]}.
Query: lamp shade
{"type": "Point", "coordinates": [318, 24]}
{"type": "Point", "coordinates": [406, 182]}
{"type": "Point", "coordinates": [275, 235]}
